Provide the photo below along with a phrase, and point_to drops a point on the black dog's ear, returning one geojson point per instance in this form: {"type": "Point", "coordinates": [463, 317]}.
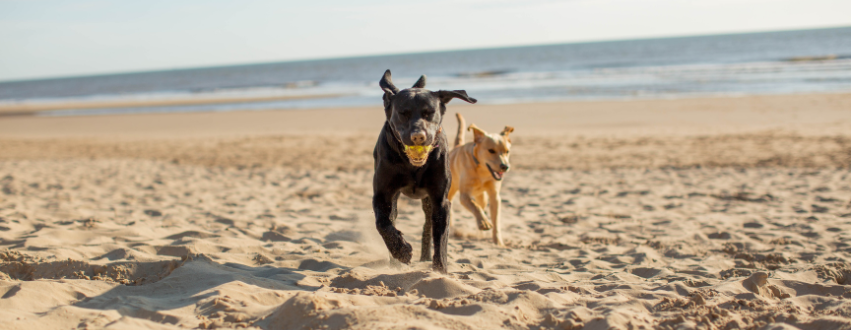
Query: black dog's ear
{"type": "Point", "coordinates": [446, 96]}
{"type": "Point", "coordinates": [386, 84]}
{"type": "Point", "coordinates": [389, 89]}
{"type": "Point", "coordinates": [420, 83]}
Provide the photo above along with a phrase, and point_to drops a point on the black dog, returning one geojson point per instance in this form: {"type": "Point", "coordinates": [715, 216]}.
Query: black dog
{"type": "Point", "coordinates": [411, 158]}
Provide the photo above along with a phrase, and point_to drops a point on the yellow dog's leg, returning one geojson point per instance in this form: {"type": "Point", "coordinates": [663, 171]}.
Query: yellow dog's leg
{"type": "Point", "coordinates": [495, 205]}
{"type": "Point", "coordinates": [469, 202]}
{"type": "Point", "coordinates": [453, 190]}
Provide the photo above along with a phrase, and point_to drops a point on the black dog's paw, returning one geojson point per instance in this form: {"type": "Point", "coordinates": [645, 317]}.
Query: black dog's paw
{"type": "Point", "coordinates": [399, 248]}
{"type": "Point", "coordinates": [404, 253]}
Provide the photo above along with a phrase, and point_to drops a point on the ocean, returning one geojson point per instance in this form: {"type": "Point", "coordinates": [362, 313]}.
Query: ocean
{"type": "Point", "coordinates": [783, 62]}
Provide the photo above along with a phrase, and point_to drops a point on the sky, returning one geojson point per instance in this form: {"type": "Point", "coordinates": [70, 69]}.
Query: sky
{"type": "Point", "coordinates": [47, 38]}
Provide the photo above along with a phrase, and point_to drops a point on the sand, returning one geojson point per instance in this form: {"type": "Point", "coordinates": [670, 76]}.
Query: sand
{"type": "Point", "coordinates": [706, 213]}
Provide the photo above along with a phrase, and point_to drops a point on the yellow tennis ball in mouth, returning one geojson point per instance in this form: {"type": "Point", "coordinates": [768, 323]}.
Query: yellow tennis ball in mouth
{"type": "Point", "coordinates": [417, 152]}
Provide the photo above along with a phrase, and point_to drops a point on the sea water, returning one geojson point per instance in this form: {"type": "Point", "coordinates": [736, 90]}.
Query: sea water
{"type": "Point", "coordinates": [803, 61]}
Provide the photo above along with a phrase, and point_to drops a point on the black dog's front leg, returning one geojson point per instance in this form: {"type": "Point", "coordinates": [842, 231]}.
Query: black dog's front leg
{"type": "Point", "coordinates": [439, 232]}
{"type": "Point", "coordinates": [384, 206]}
{"type": "Point", "coordinates": [425, 252]}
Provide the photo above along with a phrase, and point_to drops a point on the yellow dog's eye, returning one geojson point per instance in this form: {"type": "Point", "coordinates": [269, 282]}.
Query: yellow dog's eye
{"type": "Point", "coordinates": [491, 151]}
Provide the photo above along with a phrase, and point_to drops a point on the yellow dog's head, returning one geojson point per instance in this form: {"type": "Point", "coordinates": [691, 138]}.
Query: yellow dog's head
{"type": "Point", "coordinates": [493, 150]}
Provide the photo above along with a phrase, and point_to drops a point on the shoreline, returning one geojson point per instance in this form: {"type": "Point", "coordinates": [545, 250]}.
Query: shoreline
{"type": "Point", "coordinates": [23, 108]}
{"type": "Point", "coordinates": [14, 109]}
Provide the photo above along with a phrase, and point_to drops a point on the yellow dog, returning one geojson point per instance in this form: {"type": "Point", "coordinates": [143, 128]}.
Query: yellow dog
{"type": "Point", "coordinates": [478, 168]}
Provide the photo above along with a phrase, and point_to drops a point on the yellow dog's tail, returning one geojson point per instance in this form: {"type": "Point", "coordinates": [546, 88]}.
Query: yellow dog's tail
{"type": "Point", "coordinates": [459, 137]}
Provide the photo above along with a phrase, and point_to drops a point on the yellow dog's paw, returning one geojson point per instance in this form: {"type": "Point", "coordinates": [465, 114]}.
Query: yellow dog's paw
{"type": "Point", "coordinates": [484, 225]}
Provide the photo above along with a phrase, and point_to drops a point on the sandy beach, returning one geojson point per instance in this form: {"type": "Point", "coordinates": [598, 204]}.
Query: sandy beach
{"type": "Point", "coordinates": [700, 213]}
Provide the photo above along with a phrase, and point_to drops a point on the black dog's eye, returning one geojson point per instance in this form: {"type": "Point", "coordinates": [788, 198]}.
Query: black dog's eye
{"type": "Point", "coordinates": [491, 151]}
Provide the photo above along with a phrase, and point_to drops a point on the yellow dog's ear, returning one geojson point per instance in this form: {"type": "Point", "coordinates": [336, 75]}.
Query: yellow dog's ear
{"type": "Point", "coordinates": [507, 130]}
{"type": "Point", "coordinates": [478, 133]}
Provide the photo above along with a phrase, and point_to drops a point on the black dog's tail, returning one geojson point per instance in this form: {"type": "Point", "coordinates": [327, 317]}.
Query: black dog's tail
{"type": "Point", "coordinates": [459, 137]}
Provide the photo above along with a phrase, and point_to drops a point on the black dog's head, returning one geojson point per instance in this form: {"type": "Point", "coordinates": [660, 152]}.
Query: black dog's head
{"type": "Point", "coordinates": [415, 115]}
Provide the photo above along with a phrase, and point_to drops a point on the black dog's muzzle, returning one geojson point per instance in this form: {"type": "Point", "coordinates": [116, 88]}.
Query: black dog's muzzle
{"type": "Point", "coordinates": [417, 154]}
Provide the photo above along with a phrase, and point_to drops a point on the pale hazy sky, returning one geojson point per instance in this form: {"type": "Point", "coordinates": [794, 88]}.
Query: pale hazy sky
{"type": "Point", "coordinates": [64, 38]}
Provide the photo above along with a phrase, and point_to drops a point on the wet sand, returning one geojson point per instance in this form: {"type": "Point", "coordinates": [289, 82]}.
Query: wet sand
{"type": "Point", "coordinates": [695, 213]}
{"type": "Point", "coordinates": [30, 107]}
